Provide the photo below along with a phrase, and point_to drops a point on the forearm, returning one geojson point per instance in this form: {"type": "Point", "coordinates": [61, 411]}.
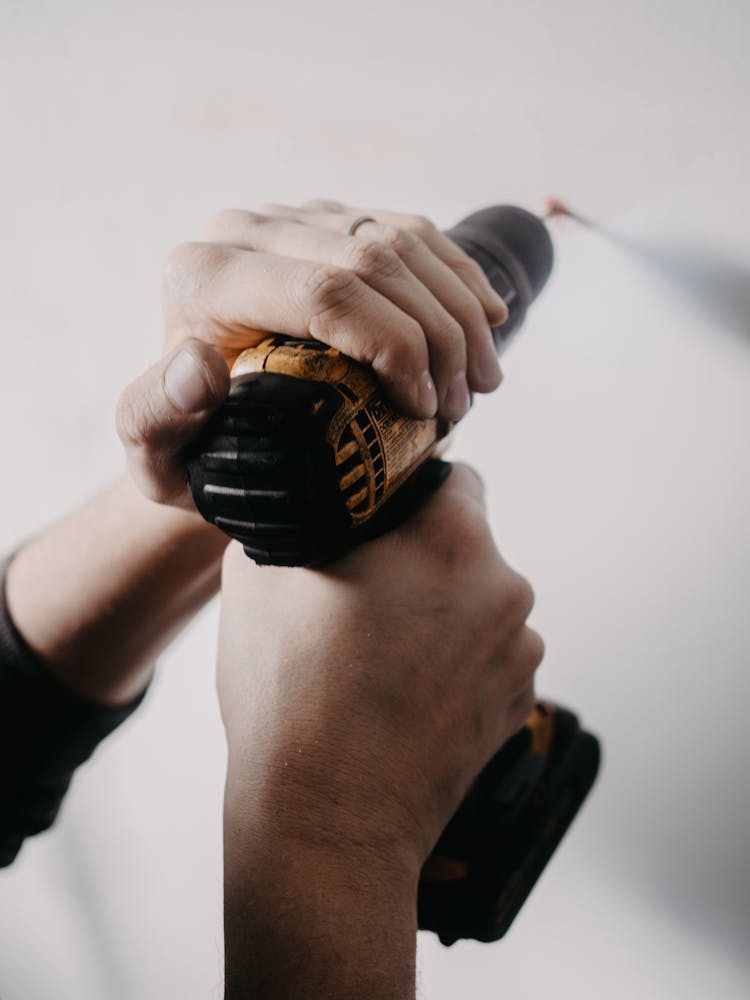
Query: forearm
{"type": "Point", "coordinates": [98, 595]}
{"type": "Point", "coordinates": [304, 920]}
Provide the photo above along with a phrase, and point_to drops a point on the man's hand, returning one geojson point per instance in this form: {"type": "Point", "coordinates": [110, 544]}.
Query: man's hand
{"type": "Point", "coordinates": [360, 701]}
{"type": "Point", "coordinates": [398, 295]}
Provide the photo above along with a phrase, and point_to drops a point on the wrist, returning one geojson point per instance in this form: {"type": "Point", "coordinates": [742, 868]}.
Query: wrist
{"type": "Point", "coordinates": [97, 596]}
{"type": "Point", "coordinates": [312, 914]}
{"type": "Point", "coordinates": [309, 822]}
{"type": "Point", "coordinates": [324, 794]}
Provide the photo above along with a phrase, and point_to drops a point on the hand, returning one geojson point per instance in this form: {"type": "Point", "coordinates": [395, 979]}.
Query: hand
{"type": "Point", "coordinates": [360, 701]}
{"type": "Point", "coordinates": [398, 295]}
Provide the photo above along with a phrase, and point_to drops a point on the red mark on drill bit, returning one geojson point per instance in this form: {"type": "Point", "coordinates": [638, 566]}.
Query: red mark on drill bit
{"type": "Point", "coordinates": [556, 208]}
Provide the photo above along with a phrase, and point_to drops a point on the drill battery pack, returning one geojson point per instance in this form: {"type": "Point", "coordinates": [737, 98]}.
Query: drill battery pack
{"type": "Point", "coordinates": [493, 851]}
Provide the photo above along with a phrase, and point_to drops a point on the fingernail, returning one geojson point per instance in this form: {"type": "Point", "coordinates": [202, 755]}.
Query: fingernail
{"type": "Point", "coordinates": [427, 396]}
{"type": "Point", "coordinates": [490, 375]}
{"type": "Point", "coordinates": [185, 383]}
{"type": "Point", "coordinates": [457, 399]}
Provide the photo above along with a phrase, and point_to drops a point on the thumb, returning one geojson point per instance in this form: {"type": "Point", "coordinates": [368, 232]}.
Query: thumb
{"type": "Point", "coordinates": [162, 411]}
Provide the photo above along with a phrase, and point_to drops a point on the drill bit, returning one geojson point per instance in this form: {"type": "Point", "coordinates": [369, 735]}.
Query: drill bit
{"type": "Point", "coordinates": [715, 283]}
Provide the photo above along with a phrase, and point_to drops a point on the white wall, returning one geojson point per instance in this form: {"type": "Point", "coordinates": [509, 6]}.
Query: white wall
{"type": "Point", "coordinates": [616, 452]}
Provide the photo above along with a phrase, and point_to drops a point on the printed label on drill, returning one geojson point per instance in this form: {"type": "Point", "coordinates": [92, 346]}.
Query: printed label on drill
{"type": "Point", "coordinates": [403, 439]}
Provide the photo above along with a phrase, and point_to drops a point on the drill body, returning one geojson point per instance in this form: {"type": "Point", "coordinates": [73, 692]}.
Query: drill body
{"type": "Point", "coordinates": [306, 454]}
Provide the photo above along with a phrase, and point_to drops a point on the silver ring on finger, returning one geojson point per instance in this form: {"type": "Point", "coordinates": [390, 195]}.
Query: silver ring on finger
{"type": "Point", "coordinates": [351, 228]}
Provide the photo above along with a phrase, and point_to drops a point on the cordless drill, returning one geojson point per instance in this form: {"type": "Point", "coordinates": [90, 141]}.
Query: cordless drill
{"type": "Point", "coordinates": [308, 458]}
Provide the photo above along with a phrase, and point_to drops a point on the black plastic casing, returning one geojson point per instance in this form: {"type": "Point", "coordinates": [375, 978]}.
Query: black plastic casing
{"type": "Point", "coordinates": [506, 830]}
{"type": "Point", "coordinates": [264, 474]}
{"type": "Point", "coordinates": [514, 249]}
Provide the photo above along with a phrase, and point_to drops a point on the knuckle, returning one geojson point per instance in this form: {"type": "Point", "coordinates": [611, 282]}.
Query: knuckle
{"type": "Point", "coordinates": [401, 354]}
{"type": "Point", "coordinates": [536, 649]}
{"type": "Point", "coordinates": [122, 420]}
{"type": "Point", "coordinates": [450, 335]}
{"type": "Point", "coordinates": [390, 234]}
{"type": "Point", "coordinates": [218, 223]}
{"type": "Point", "coordinates": [274, 208]}
{"type": "Point", "coordinates": [524, 656]}
{"type": "Point", "coordinates": [179, 256]}
{"type": "Point", "coordinates": [189, 254]}
{"type": "Point", "coordinates": [252, 218]}
{"type": "Point", "coordinates": [227, 220]}
{"type": "Point", "coordinates": [468, 266]}
{"type": "Point", "coordinates": [141, 426]}
{"type": "Point", "coordinates": [401, 241]}
{"type": "Point", "coordinates": [371, 259]}
{"type": "Point", "coordinates": [189, 266]}
{"type": "Point", "coordinates": [323, 205]}
{"type": "Point", "coordinates": [466, 533]}
{"type": "Point", "coordinates": [132, 429]}
{"type": "Point", "coordinates": [419, 225]}
{"type": "Point", "coordinates": [329, 293]}
{"type": "Point", "coordinates": [519, 600]}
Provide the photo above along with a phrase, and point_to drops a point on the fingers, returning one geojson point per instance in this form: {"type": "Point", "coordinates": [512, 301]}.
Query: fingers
{"type": "Point", "coordinates": [524, 653]}
{"type": "Point", "coordinates": [482, 369]}
{"type": "Point", "coordinates": [460, 283]}
{"type": "Point", "coordinates": [242, 292]}
{"type": "Point", "coordinates": [398, 295]}
{"type": "Point", "coordinates": [512, 687]}
{"type": "Point", "coordinates": [448, 294]}
{"type": "Point", "coordinates": [457, 259]}
{"type": "Point", "coordinates": [161, 412]}
{"type": "Point", "coordinates": [406, 283]}
{"type": "Point", "coordinates": [452, 525]}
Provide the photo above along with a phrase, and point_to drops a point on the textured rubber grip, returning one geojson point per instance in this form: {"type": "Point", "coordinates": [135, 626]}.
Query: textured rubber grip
{"type": "Point", "coordinates": [262, 472]}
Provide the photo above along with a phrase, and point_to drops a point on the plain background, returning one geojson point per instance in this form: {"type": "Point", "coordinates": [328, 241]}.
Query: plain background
{"type": "Point", "coordinates": [616, 453]}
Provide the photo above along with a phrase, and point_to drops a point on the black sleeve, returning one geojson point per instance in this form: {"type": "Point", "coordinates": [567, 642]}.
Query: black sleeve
{"type": "Point", "coordinates": [46, 731]}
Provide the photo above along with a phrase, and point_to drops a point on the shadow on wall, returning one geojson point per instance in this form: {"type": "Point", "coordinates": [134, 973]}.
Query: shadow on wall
{"type": "Point", "coordinates": [716, 285]}
{"type": "Point", "coordinates": [712, 281]}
